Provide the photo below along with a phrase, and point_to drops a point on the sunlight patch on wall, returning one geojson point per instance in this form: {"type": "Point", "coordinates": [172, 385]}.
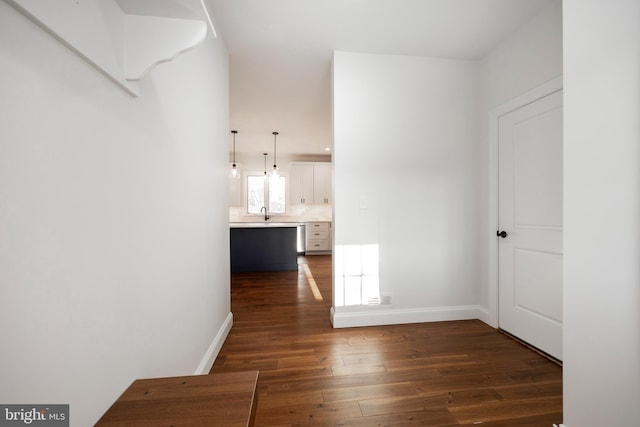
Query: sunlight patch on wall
{"type": "Point", "coordinates": [356, 275]}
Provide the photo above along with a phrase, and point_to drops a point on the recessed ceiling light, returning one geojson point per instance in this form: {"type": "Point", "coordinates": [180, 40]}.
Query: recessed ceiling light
{"type": "Point", "coordinates": [327, 149]}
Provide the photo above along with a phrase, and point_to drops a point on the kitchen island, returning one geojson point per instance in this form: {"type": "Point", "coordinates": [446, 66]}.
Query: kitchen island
{"type": "Point", "coordinates": [263, 246]}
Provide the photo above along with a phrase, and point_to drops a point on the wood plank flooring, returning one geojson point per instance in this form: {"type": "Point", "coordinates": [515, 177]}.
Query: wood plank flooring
{"type": "Point", "coordinates": [461, 373]}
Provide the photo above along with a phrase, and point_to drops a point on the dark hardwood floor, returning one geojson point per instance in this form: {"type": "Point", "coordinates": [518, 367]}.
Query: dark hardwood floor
{"type": "Point", "coordinates": [461, 373]}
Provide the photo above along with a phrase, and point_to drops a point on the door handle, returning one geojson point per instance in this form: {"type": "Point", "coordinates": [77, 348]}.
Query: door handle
{"type": "Point", "coordinates": [502, 234]}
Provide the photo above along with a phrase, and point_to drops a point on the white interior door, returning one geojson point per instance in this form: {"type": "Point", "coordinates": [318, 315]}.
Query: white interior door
{"type": "Point", "coordinates": [530, 212]}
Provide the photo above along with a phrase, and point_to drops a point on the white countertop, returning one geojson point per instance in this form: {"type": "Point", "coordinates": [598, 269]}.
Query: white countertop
{"type": "Point", "coordinates": [264, 224]}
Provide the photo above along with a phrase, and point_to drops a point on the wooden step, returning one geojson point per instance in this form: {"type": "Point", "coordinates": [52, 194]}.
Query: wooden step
{"type": "Point", "coordinates": [224, 400]}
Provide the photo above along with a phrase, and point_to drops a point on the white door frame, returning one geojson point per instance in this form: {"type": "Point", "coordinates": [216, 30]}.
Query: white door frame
{"type": "Point", "coordinates": [533, 95]}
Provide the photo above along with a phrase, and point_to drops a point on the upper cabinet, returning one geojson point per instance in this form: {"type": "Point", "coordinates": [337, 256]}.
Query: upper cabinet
{"type": "Point", "coordinates": [301, 183]}
{"type": "Point", "coordinates": [310, 183]}
{"type": "Point", "coordinates": [322, 173]}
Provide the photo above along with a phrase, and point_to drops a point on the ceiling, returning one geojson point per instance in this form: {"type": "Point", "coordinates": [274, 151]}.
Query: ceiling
{"type": "Point", "coordinates": [280, 55]}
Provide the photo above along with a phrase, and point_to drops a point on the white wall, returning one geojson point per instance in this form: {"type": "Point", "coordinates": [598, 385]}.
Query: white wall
{"type": "Point", "coordinates": [527, 59]}
{"type": "Point", "coordinates": [405, 144]}
{"type": "Point", "coordinates": [602, 213]}
{"type": "Point", "coordinates": [114, 257]}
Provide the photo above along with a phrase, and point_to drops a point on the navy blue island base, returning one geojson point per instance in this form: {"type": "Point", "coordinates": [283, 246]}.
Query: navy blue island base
{"type": "Point", "coordinates": [264, 249]}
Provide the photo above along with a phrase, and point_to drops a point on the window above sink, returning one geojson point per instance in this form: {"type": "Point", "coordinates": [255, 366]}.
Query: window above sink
{"type": "Point", "coordinates": [266, 192]}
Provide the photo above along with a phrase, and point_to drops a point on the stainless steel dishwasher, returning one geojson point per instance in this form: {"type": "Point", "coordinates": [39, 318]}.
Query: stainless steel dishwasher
{"type": "Point", "coordinates": [301, 239]}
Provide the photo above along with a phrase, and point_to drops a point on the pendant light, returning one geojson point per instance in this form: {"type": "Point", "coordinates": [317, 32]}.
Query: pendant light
{"type": "Point", "coordinates": [274, 173]}
{"type": "Point", "coordinates": [265, 165]}
{"type": "Point", "coordinates": [234, 169]}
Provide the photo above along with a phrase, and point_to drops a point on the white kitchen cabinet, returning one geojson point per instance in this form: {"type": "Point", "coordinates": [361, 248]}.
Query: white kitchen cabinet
{"type": "Point", "coordinates": [317, 238]}
{"type": "Point", "coordinates": [301, 183]}
{"type": "Point", "coordinates": [322, 183]}
{"type": "Point", "coordinates": [310, 183]}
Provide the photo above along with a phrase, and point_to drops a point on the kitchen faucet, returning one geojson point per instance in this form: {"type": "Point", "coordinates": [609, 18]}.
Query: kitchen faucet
{"type": "Point", "coordinates": [266, 214]}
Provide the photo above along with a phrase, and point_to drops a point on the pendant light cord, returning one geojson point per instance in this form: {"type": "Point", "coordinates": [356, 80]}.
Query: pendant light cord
{"type": "Point", "coordinates": [265, 164]}
{"type": "Point", "coordinates": [234, 132]}
{"type": "Point", "coordinates": [275, 135]}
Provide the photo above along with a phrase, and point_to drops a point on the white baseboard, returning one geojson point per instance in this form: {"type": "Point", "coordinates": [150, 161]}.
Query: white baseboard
{"type": "Point", "coordinates": [390, 316]}
{"type": "Point", "coordinates": [210, 356]}
{"type": "Point", "coordinates": [483, 314]}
